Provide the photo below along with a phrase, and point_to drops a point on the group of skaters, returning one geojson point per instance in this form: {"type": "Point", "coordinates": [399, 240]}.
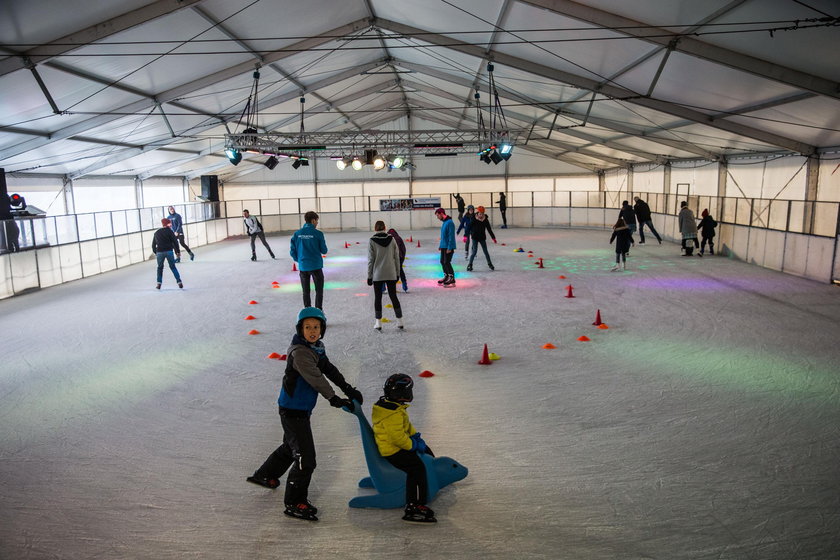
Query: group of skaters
{"type": "Point", "coordinates": [639, 213]}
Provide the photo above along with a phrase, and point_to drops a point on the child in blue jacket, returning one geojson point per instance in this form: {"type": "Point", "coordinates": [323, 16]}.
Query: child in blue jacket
{"type": "Point", "coordinates": [307, 372]}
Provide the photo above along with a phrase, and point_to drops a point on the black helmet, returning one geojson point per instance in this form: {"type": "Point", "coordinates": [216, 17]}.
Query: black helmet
{"type": "Point", "coordinates": [398, 388]}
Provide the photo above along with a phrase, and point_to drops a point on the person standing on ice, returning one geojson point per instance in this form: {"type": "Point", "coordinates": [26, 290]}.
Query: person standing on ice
{"type": "Point", "coordinates": [400, 444]}
{"type": "Point", "coordinates": [643, 216]}
{"type": "Point", "coordinates": [178, 228]}
{"type": "Point", "coordinates": [459, 200]}
{"type": "Point", "coordinates": [466, 222]}
{"type": "Point", "coordinates": [306, 248]}
{"type": "Point", "coordinates": [478, 232]}
{"type": "Point", "coordinates": [447, 247]}
{"type": "Point", "coordinates": [401, 246]}
{"type": "Point", "coordinates": [163, 246]}
{"type": "Point", "coordinates": [688, 230]}
{"type": "Point", "coordinates": [255, 229]}
{"type": "Point", "coordinates": [707, 227]}
{"type": "Point", "coordinates": [383, 269]}
{"type": "Point", "coordinates": [502, 202]}
{"type": "Point", "coordinates": [308, 374]}
{"type": "Point", "coordinates": [629, 216]}
{"type": "Point", "coordinates": [623, 238]}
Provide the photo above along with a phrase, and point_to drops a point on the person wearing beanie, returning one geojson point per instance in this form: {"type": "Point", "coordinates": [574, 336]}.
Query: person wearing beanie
{"type": "Point", "coordinates": [447, 247]}
{"type": "Point", "coordinates": [478, 231]}
{"type": "Point", "coordinates": [383, 269]}
{"type": "Point", "coordinates": [308, 373]}
{"type": "Point", "coordinates": [163, 246]}
{"type": "Point", "coordinates": [707, 227]}
{"type": "Point", "coordinates": [466, 222]}
{"type": "Point", "coordinates": [688, 230]}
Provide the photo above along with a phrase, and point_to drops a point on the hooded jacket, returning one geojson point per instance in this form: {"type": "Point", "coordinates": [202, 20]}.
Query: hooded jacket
{"type": "Point", "coordinates": [307, 246]}
{"type": "Point", "coordinates": [383, 258]}
{"type": "Point", "coordinates": [466, 224]}
{"type": "Point", "coordinates": [480, 228]}
{"type": "Point", "coordinates": [688, 223]}
{"type": "Point", "coordinates": [392, 429]}
{"type": "Point", "coordinates": [707, 226]}
{"type": "Point", "coordinates": [307, 371]}
{"type": "Point", "coordinates": [177, 223]}
{"type": "Point", "coordinates": [447, 234]}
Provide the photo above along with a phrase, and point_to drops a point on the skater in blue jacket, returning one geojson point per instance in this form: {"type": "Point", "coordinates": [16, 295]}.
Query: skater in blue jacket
{"type": "Point", "coordinates": [307, 373]}
{"type": "Point", "coordinates": [447, 247]}
{"type": "Point", "coordinates": [466, 222]}
{"type": "Point", "coordinates": [307, 247]}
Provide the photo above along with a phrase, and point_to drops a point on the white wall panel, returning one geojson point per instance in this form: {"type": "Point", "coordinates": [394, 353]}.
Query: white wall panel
{"type": "Point", "coordinates": [577, 183]}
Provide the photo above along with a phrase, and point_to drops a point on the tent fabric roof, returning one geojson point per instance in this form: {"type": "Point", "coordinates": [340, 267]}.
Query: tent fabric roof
{"type": "Point", "coordinates": [141, 88]}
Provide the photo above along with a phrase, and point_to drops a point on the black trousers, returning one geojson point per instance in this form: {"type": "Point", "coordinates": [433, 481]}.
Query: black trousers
{"type": "Point", "coordinates": [183, 243]}
{"type": "Point", "coordinates": [264, 242]}
{"type": "Point", "coordinates": [504, 215]}
{"type": "Point", "coordinates": [297, 452]}
{"type": "Point", "coordinates": [446, 261]}
{"type": "Point", "coordinates": [392, 293]}
{"type": "Point", "coordinates": [416, 485]}
{"type": "Point", "coordinates": [318, 276]}
{"type": "Point", "coordinates": [710, 241]}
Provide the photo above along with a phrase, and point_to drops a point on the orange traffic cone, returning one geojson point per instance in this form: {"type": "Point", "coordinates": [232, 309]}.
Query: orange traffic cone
{"type": "Point", "coordinates": [410, 239]}
{"type": "Point", "coordinates": [561, 277]}
{"type": "Point", "coordinates": [252, 302]}
{"type": "Point", "coordinates": [549, 346]}
{"type": "Point", "coordinates": [597, 318]}
{"type": "Point", "coordinates": [485, 357]}
{"type": "Point", "coordinates": [346, 245]}
{"type": "Point", "coordinates": [569, 293]}
{"type": "Point", "coordinates": [540, 264]}
{"type": "Point", "coordinates": [426, 373]}
{"type": "Point", "coordinates": [250, 318]}
{"type": "Point", "coordinates": [273, 356]}
{"type": "Point", "coordinates": [418, 242]}
{"type": "Point", "coordinates": [603, 326]}
{"type": "Point", "coordinates": [254, 332]}
{"type": "Point", "coordinates": [583, 338]}
{"type": "Point", "coordinates": [294, 267]}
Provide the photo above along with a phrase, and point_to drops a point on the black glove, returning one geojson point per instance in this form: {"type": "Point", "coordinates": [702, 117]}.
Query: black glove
{"type": "Point", "coordinates": [354, 394]}
{"type": "Point", "coordinates": [338, 402]}
{"type": "Point", "coordinates": [370, 281]}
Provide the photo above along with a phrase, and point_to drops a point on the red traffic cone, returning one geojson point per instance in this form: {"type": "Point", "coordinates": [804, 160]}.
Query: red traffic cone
{"type": "Point", "coordinates": [418, 242]}
{"type": "Point", "coordinates": [569, 293]}
{"type": "Point", "coordinates": [346, 245]}
{"type": "Point", "coordinates": [540, 264]}
{"type": "Point", "coordinates": [485, 357]}
{"type": "Point", "coordinates": [426, 373]}
{"type": "Point", "coordinates": [294, 267]}
{"type": "Point", "coordinates": [273, 356]}
{"type": "Point", "coordinates": [250, 318]}
{"type": "Point", "coordinates": [410, 239]}
{"type": "Point", "coordinates": [584, 338]}
{"type": "Point", "coordinates": [597, 318]}
{"type": "Point", "coordinates": [255, 331]}
{"type": "Point", "coordinates": [252, 302]}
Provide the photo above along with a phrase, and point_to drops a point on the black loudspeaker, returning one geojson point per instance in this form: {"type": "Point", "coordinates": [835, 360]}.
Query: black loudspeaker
{"type": "Point", "coordinates": [5, 202]}
{"type": "Point", "coordinates": [210, 187]}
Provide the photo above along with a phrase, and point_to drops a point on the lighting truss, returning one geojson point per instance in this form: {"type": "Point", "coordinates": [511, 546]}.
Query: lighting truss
{"type": "Point", "coordinates": [354, 142]}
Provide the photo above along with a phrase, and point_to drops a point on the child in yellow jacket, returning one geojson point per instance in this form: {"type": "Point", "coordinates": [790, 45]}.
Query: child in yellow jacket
{"type": "Point", "coordinates": [400, 444]}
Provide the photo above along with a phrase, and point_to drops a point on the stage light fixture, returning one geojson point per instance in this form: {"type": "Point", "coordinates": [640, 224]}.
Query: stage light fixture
{"type": "Point", "coordinates": [18, 200]}
{"type": "Point", "coordinates": [485, 158]}
{"type": "Point", "coordinates": [395, 162]}
{"type": "Point", "coordinates": [357, 163]}
{"type": "Point", "coordinates": [506, 150]}
{"type": "Point", "coordinates": [343, 163]}
{"type": "Point", "coordinates": [271, 162]}
{"type": "Point", "coordinates": [378, 163]}
{"type": "Point", "coordinates": [369, 155]}
{"type": "Point", "coordinates": [233, 155]}
{"type": "Point", "coordinates": [495, 157]}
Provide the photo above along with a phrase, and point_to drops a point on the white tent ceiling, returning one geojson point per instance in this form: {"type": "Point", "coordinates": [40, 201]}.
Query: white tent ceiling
{"type": "Point", "coordinates": [139, 88]}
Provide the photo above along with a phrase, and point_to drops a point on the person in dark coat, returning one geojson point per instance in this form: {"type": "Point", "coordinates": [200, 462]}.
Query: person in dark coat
{"type": "Point", "coordinates": [478, 232]}
{"type": "Point", "coordinates": [502, 202]}
{"type": "Point", "coordinates": [163, 246]}
{"type": "Point", "coordinates": [707, 227]}
{"type": "Point", "coordinates": [466, 222]}
{"type": "Point", "coordinates": [401, 246]}
{"type": "Point", "coordinates": [688, 229]}
{"type": "Point", "coordinates": [623, 240]}
{"type": "Point", "coordinates": [459, 200]}
{"type": "Point", "coordinates": [643, 216]}
{"type": "Point", "coordinates": [629, 216]}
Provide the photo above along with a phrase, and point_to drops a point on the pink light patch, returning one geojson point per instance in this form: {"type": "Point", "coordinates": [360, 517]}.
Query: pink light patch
{"type": "Point", "coordinates": [361, 295]}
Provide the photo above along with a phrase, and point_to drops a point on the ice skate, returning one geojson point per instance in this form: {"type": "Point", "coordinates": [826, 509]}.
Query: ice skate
{"type": "Point", "coordinates": [469, 268]}
{"type": "Point", "coordinates": [442, 280]}
{"type": "Point", "coordinates": [158, 286]}
{"type": "Point", "coordinates": [419, 514]}
{"type": "Point", "coordinates": [271, 483]}
{"type": "Point", "coordinates": [624, 266]}
{"type": "Point", "coordinates": [491, 266]}
{"type": "Point", "coordinates": [254, 257]}
{"type": "Point", "coordinates": [405, 287]}
{"type": "Point", "coordinates": [450, 283]}
{"type": "Point", "coordinates": [378, 325]}
{"type": "Point", "coordinates": [180, 284]}
{"type": "Point", "coordinates": [303, 510]}
{"type": "Point", "coordinates": [615, 268]}
{"type": "Point", "coordinates": [192, 256]}
{"type": "Point", "coordinates": [178, 259]}
{"type": "Point", "coordinates": [400, 324]}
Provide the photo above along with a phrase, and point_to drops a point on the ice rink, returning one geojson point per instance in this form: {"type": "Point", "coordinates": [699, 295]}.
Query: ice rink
{"type": "Point", "coordinates": [704, 423]}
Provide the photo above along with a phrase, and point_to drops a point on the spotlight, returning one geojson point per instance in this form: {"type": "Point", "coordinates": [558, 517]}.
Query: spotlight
{"type": "Point", "coordinates": [296, 164]}
{"type": "Point", "coordinates": [369, 155]}
{"type": "Point", "coordinates": [343, 163]}
{"type": "Point", "coordinates": [357, 163]}
{"type": "Point", "coordinates": [396, 162]}
{"type": "Point", "coordinates": [378, 163]}
{"type": "Point", "coordinates": [304, 161]}
{"type": "Point", "coordinates": [233, 155]}
{"type": "Point", "coordinates": [496, 157]}
{"type": "Point", "coordinates": [408, 165]}
{"type": "Point", "coordinates": [485, 158]}
{"type": "Point", "coordinates": [506, 151]}
{"type": "Point", "coordinates": [18, 200]}
{"type": "Point", "coordinates": [271, 162]}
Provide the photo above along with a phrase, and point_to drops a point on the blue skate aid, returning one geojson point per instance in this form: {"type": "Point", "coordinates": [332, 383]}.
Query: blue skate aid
{"type": "Point", "coordinates": [389, 481]}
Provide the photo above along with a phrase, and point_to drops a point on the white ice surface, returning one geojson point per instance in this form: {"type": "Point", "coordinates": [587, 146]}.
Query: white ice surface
{"type": "Point", "coordinates": [702, 424]}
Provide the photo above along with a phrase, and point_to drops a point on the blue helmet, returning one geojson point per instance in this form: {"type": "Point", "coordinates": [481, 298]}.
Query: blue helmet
{"type": "Point", "coordinates": [307, 312]}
